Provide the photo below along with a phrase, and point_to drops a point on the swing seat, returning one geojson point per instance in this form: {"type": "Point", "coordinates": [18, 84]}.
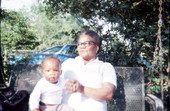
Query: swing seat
{"type": "Point", "coordinates": [129, 95]}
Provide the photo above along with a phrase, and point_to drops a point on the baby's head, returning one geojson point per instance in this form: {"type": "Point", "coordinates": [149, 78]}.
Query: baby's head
{"type": "Point", "coordinates": [51, 69]}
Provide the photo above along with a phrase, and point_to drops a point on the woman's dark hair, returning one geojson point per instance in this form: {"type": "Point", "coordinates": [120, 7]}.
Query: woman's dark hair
{"type": "Point", "coordinates": [93, 35]}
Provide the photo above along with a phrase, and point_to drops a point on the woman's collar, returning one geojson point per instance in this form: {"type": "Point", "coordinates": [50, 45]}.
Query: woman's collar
{"type": "Point", "coordinates": [81, 59]}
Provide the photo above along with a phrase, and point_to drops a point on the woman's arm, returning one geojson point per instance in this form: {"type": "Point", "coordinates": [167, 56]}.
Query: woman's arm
{"type": "Point", "coordinates": [104, 93]}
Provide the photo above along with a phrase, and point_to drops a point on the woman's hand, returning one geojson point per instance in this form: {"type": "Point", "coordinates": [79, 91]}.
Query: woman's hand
{"type": "Point", "coordinates": [73, 86]}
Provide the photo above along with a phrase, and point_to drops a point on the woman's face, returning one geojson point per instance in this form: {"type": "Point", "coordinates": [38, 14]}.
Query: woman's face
{"type": "Point", "coordinates": [87, 48]}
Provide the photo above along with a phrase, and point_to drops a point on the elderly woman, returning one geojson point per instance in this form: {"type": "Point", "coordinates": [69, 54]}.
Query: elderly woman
{"type": "Point", "coordinates": [90, 82]}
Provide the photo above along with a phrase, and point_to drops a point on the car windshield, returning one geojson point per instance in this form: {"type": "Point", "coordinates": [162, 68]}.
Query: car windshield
{"type": "Point", "coordinates": [53, 50]}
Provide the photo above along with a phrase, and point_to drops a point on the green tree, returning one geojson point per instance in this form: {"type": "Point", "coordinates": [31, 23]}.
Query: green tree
{"type": "Point", "coordinates": [15, 32]}
{"type": "Point", "coordinates": [133, 21]}
{"type": "Point", "coordinates": [60, 29]}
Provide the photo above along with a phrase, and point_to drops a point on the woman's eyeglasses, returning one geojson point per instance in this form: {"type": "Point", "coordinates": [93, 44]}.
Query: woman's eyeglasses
{"type": "Point", "coordinates": [86, 44]}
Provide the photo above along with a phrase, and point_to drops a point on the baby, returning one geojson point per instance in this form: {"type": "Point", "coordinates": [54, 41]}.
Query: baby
{"type": "Point", "coordinates": [47, 94]}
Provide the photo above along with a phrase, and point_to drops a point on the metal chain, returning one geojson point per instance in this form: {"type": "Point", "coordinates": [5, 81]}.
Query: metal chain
{"type": "Point", "coordinates": [158, 54]}
{"type": "Point", "coordinates": [158, 49]}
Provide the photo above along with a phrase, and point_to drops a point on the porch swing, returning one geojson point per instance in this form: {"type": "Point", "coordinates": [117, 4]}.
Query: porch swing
{"type": "Point", "coordinates": [128, 97]}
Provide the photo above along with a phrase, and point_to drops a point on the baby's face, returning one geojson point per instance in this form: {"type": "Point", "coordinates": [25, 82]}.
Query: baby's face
{"type": "Point", "coordinates": [51, 70]}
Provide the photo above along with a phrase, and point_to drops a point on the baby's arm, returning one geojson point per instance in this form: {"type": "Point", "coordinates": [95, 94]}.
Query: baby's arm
{"type": "Point", "coordinates": [35, 98]}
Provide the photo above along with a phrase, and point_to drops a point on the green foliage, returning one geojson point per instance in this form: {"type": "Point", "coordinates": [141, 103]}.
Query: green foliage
{"type": "Point", "coordinates": [60, 29]}
{"type": "Point", "coordinates": [15, 32]}
{"type": "Point", "coordinates": [135, 22]}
